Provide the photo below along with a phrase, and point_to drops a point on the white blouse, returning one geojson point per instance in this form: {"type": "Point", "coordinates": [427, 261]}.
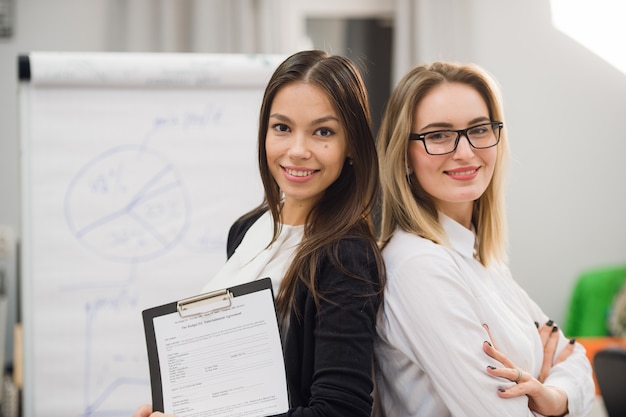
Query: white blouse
{"type": "Point", "coordinates": [253, 259]}
{"type": "Point", "coordinates": [430, 361]}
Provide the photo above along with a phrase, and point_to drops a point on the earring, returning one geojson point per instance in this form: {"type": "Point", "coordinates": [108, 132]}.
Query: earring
{"type": "Point", "coordinates": [350, 161]}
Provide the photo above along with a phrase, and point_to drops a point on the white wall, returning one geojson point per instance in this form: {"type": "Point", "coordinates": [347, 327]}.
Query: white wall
{"type": "Point", "coordinates": [564, 110]}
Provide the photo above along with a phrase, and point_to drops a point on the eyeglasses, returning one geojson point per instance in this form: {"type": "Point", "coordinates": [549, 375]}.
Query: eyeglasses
{"type": "Point", "coordinates": [441, 142]}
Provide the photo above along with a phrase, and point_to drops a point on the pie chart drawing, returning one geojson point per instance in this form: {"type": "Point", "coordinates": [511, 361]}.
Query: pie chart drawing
{"type": "Point", "coordinates": [128, 205]}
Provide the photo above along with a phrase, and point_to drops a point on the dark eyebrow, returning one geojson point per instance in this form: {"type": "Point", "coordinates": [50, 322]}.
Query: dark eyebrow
{"type": "Point", "coordinates": [325, 119]}
{"type": "Point", "coordinates": [315, 122]}
{"type": "Point", "coordinates": [444, 125]}
{"type": "Point", "coordinates": [279, 117]}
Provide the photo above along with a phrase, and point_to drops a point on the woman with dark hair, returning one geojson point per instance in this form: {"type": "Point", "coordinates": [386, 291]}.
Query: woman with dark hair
{"type": "Point", "coordinates": [313, 234]}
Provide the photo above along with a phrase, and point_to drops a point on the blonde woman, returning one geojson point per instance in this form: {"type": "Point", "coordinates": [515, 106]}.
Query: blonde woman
{"type": "Point", "coordinates": [457, 335]}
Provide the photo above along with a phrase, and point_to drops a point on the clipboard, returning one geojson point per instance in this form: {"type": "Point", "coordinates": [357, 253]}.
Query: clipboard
{"type": "Point", "coordinates": [217, 353]}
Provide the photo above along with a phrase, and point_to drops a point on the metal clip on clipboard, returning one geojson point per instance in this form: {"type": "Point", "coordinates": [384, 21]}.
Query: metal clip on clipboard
{"type": "Point", "coordinates": [213, 301]}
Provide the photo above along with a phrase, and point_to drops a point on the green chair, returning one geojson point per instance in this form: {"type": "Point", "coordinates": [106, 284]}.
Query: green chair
{"type": "Point", "coordinates": [590, 303]}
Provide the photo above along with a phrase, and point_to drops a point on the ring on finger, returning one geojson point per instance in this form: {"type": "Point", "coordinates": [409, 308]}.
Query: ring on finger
{"type": "Point", "coordinates": [519, 376]}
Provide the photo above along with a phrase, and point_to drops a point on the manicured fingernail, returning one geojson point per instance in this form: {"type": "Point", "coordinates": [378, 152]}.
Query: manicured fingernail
{"type": "Point", "coordinates": [572, 341]}
{"type": "Point", "coordinates": [536, 325]}
{"type": "Point", "coordinates": [549, 323]}
{"type": "Point", "coordinates": [501, 390]}
{"type": "Point", "coordinates": [486, 341]}
{"type": "Point", "coordinates": [491, 367]}
{"type": "Point", "coordinates": [555, 328]}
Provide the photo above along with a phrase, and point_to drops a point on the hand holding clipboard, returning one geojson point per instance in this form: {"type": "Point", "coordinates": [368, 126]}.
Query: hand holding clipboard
{"type": "Point", "coordinates": [217, 354]}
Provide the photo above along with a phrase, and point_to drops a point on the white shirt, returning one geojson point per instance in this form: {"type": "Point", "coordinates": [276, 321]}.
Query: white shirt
{"type": "Point", "coordinates": [430, 361]}
{"type": "Point", "coordinates": [253, 259]}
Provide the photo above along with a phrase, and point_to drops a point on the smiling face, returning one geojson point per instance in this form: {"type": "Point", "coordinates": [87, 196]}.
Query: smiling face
{"type": "Point", "coordinates": [457, 179]}
{"type": "Point", "coordinates": [306, 147]}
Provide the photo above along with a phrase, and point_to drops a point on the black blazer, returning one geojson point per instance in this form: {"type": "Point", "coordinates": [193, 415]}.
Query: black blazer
{"type": "Point", "coordinates": [328, 352]}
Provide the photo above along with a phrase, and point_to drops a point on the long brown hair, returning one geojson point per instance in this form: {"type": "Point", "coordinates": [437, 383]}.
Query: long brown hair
{"type": "Point", "coordinates": [344, 209]}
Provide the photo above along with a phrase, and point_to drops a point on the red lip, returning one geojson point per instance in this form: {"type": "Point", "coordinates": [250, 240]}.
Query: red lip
{"type": "Point", "coordinates": [463, 173]}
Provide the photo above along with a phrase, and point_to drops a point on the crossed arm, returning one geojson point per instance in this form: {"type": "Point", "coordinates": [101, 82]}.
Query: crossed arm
{"type": "Point", "coordinates": [544, 399]}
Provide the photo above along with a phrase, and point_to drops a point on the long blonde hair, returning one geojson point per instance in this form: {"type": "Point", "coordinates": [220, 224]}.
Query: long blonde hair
{"type": "Point", "coordinates": [405, 204]}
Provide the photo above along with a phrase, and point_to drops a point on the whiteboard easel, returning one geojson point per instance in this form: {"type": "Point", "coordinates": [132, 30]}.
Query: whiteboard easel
{"type": "Point", "coordinates": [133, 168]}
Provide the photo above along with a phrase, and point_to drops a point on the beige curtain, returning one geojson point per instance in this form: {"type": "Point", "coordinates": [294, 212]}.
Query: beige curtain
{"type": "Point", "coordinates": [210, 26]}
{"type": "Point", "coordinates": [427, 30]}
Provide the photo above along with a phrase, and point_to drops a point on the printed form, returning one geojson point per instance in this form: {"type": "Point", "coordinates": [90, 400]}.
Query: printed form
{"type": "Point", "coordinates": [226, 362]}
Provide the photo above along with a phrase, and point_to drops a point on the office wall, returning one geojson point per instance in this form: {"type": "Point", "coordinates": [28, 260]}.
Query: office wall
{"type": "Point", "coordinates": [563, 104]}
